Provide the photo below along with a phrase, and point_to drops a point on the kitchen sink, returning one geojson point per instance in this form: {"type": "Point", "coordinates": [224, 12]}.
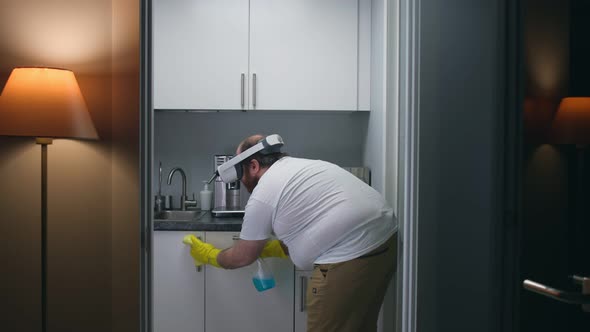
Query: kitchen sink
{"type": "Point", "coordinates": [178, 215]}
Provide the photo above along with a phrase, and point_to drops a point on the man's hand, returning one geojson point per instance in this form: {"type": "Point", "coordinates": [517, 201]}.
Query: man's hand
{"type": "Point", "coordinates": [202, 252]}
{"type": "Point", "coordinates": [273, 248]}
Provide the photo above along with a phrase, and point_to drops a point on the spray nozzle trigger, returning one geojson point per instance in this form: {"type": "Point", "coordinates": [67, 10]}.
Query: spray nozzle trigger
{"type": "Point", "coordinates": [215, 174]}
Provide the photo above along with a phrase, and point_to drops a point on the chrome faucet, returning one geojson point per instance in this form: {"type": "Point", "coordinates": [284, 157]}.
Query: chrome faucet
{"type": "Point", "coordinates": [184, 201]}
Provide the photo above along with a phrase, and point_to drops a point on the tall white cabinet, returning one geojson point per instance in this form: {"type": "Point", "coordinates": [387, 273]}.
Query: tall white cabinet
{"type": "Point", "coordinates": [257, 55]}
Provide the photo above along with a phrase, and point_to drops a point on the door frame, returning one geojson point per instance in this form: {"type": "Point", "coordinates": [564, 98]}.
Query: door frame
{"type": "Point", "coordinates": [404, 13]}
{"type": "Point", "coordinates": [408, 178]}
{"type": "Point", "coordinates": [146, 168]}
{"type": "Point", "coordinates": [509, 232]}
{"type": "Point", "coordinates": [507, 235]}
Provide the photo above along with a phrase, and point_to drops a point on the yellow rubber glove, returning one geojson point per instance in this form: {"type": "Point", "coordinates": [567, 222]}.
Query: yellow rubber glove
{"type": "Point", "coordinates": [202, 252]}
{"type": "Point", "coordinates": [273, 248]}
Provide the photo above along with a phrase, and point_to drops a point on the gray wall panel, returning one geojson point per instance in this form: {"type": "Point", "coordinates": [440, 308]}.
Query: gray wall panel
{"type": "Point", "coordinates": [461, 77]}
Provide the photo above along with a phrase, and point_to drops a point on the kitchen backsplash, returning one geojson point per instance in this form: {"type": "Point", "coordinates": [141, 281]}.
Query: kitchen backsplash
{"type": "Point", "coordinates": [190, 140]}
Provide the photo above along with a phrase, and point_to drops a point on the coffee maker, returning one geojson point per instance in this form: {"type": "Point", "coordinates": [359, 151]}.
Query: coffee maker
{"type": "Point", "coordinates": [229, 197]}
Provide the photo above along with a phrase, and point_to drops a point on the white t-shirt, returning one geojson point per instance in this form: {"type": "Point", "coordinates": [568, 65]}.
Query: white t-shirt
{"type": "Point", "coordinates": [320, 211]}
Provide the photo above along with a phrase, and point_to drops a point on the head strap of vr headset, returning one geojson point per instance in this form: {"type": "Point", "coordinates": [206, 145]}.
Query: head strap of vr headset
{"type": "Point", "coordinates": [268, 145]}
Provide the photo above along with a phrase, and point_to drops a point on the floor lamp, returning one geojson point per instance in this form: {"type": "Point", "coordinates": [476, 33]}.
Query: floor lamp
{"type": "Point", "coordinates": [44, 103]}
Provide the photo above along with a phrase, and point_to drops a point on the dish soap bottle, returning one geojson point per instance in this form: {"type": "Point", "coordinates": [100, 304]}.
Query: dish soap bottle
{"type": "Point", "coordinates": [263, 278]}
{"type": "Point", "coordinates": [205, 197]}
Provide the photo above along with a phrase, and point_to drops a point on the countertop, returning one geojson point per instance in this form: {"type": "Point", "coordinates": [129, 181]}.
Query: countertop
{"type": "Point", "coordinates": [204, 222]}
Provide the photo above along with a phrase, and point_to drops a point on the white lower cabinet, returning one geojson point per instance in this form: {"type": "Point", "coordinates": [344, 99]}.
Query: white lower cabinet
{"type": "Point", "coordinates": [216, 300]}
{"type": "Point", "coordinates": [234, 304]}
{"type": "Point", "coordinates": [301, 282]}
{"type": "Point", "coordinates": [178, 288]}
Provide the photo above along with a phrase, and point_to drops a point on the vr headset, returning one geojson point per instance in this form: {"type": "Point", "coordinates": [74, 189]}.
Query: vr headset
{"type": "Point", "coordinates": [231, 170]}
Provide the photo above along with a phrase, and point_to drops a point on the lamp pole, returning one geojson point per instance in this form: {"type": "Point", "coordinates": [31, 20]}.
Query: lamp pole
{"type": "Point", "coordinates": [44, 142]}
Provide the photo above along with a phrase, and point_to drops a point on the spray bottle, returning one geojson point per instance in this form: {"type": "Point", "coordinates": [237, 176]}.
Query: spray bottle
{"type": "Point", "coordinates": [263, 278]}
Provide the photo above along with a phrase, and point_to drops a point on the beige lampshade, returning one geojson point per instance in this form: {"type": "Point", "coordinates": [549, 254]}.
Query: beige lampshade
{"type": "Point", "coordinates": [571, 124]}
{"type": "Point", "coordinates": [44, 102]}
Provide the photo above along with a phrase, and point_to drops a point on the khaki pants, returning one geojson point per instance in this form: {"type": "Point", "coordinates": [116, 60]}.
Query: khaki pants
{"type": "Point", "coordinates": [347, 296]}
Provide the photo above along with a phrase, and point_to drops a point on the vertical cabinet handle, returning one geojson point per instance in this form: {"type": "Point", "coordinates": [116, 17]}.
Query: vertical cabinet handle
{"type": "Point", "coordinates": [199, 268]}
{"type": "Point", "coordinates": [254, 90]}
{"type": "Point", "coordinates": [302, 293]}
{"type": "Point", "coordinates": [242, 82]}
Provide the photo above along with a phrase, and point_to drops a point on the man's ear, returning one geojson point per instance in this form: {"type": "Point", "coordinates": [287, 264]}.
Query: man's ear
{"type": "Point", "coordinates": [254, 166]}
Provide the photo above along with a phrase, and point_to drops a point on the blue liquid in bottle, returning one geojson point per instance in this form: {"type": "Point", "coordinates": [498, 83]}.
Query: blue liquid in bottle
{"type": "Point", "coordinates": [263, 284]}
{"type": "Point", "coordinates": [263, 278]}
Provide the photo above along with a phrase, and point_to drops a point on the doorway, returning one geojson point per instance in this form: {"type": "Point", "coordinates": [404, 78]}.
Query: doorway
{"type": "Point", "coordinates": [555, 224]}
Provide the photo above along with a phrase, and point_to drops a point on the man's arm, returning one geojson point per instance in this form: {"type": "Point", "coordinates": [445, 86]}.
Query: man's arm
{"type": "Point", "coordinates": [243, 253]}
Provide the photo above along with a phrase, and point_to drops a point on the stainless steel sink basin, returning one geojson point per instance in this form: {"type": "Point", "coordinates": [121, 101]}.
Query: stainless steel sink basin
{"type": "Point", "coordinates": [178, 215]}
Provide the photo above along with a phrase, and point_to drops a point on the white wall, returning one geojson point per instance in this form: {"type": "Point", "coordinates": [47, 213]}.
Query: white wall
{"type": "Point", "coordinates": [125, 197]}
{"type": "Point", "coordinates": [380, 151]}
{"type": "Point", "coordinates": [93, 212]}
{"type": "Point", "coordinates": [373, 150]}
{"type": "Point", "coordinates": [76, 35]}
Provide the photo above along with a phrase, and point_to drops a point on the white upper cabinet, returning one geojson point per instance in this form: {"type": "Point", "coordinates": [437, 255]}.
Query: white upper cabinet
{"type": "Point", "coordinates": [292, 55]}
{"type": "Point", "coordinates": [304, 54]}
{"type": "Point", "coordinates": [200, 51]}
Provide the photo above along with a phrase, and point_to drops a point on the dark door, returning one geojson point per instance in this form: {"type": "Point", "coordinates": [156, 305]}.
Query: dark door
{"type": "Point", "coordinates": [555, 245]}
{"type": "Point", "coordinates": [554, 242]}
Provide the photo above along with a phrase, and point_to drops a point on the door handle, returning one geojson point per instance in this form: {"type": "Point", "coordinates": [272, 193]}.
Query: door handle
{"type": "Point", "coordinates": [582, 298]}
{"type": "Point", "coordinates": [578, 280]}
{"type": "Point", "coordinates": [254, 90]}
{"type": "Point", "coordinates": [303, 292]}
{"type": "Point", "coordinates": [242, 86]}
{"type": "Point", "coordinates": [199, 268]}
